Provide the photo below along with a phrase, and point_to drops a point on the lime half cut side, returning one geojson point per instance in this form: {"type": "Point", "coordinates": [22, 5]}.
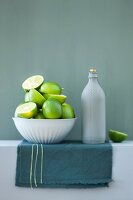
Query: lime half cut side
{"type": "Point", "coordinates": [33, 82]}
{"type": "Point", "coordinates": [26, 110]}
{"type": "Point", "coordinates": [117, 136]}
{"type": "Point", "coordinates": [61, 98]}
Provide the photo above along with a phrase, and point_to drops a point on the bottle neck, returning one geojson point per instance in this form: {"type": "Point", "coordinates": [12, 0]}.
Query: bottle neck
{"type": "Point", "coordinates": [93, 80]}
{"type": "Point", "coordinates": [93, 77]}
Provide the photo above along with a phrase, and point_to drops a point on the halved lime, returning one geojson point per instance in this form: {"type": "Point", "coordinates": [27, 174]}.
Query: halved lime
{"type": "Point", "coordinates": [33, 82]}
{"type": "Point", "coordinates": [67, 111]}
{"type": "Point", "coordinates": [117, 136]}
{"type": "Point", "coordinates": [52, 109]}
{"type": "Point", "coordinates": [27, 97]}
{"type": "Point", "coordinates": [50, 88]}
{"type": "Point", "coordinates": [60, 97]}
{"type": "Point", "coordinates": [26, 110]}
{"type": "Point", "coordinates": [36, 97]}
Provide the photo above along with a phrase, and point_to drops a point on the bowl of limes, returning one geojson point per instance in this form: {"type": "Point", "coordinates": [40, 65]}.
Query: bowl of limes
{"type": "Point", "coordinates": [44, 116]}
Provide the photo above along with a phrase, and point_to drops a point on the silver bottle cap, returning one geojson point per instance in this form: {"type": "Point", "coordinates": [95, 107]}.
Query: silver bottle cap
{"type": "Point", "coordinates": [93, 70]}
{"type": "Point", "coordinates": [93, 73]}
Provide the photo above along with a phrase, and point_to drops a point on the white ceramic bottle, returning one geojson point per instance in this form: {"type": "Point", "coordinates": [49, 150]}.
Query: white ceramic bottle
{"type": "Point", "coordinates": [93, 111]}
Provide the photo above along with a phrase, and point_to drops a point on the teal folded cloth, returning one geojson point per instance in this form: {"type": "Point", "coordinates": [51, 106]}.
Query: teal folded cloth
{"type": "Point", "coordinates": [69, 164]}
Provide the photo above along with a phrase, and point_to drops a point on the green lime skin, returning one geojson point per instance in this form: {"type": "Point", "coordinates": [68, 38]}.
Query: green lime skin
{"type": "Point", "coordinates": [52, 109]}
{"type": "Point", "coordinates": [50, 88]}
{"type": "Point", "coordinates": [36, 97]}
{"type": "Point", "coordinates": [67, 111]}
{"type": "Point", "coordinates": [39, 115]}
{"type": "Point", "coordinates": [117, 136]}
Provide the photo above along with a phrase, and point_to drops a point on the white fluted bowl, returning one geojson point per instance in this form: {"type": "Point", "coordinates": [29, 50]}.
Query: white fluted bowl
{"type": "Point", "coordinates": [44, 130]}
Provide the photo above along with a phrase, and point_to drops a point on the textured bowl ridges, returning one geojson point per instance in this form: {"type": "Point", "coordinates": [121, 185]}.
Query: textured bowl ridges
{"type": "Point", "coordinates": [44, 130]}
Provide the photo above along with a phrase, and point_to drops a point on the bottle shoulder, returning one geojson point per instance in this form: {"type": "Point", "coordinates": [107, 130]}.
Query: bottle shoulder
{"type": "Point", "coordinates": [93, 90]}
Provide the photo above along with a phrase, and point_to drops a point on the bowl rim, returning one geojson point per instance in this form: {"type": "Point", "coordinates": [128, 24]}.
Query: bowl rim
{"type": "Point", "coordinates": [32, 119]}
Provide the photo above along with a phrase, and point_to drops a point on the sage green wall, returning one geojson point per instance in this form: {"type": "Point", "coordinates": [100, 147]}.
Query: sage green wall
{"type": "Point", "coordinates": [60, 39]}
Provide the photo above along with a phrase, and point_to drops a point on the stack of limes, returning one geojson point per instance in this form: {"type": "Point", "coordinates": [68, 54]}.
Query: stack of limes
{"type": "Point", "coordinates": [43, 100]}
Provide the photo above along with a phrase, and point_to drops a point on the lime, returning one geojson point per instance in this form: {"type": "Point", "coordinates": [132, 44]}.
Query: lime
{"type": "Point", "coordinates": [61, 98]}
{"type": "Point", "coordinates": [27, 97]}
{"type": "Point", "coordinates": [67, 111]}
{"type": "Point", "coordinates": [39, 115]}
{"type": "Point", "coordinates": [36, 97]}
{"type": "Point", "coordinates": [117, 136]}
{"type": "Point", "coordinates": [26, 110]}
{"type": "Point", "coordinates": [33, 82]}
{"type": "Point", "coordinates": [50, 88]}
{"type": "Point", "coordinates": [52, 109]}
